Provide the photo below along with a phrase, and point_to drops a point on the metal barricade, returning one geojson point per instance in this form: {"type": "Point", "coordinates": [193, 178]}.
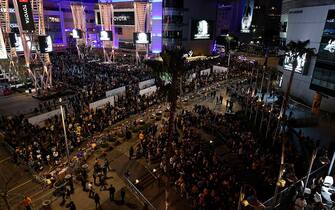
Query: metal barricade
{"type": "Point", "coordinates": [283, 199]}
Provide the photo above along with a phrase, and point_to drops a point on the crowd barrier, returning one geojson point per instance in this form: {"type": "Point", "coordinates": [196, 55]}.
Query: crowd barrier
{"type": "Point", "coordinates": [42, 117]}
{"type": "Point", "coordinates": [116, 92]}
{"type": "Point", "coordinates": [147, 83]}
{"type": "Point", "coordinates": [102, 102]}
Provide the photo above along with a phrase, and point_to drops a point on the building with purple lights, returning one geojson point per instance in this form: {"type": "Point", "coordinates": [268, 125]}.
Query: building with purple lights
{"type": "Point", "coordinates": [169, 22]}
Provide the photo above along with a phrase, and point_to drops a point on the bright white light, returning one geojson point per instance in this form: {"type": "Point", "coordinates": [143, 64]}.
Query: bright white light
{"type": "Point", "coordinates": [202, 30]}
{"type": "Point", "coordinates": [288, 61]}
{"type": "Point", "coordinates": [330, 46]}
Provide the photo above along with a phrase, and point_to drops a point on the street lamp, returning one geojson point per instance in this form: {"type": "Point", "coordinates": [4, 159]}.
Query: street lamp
{"type": "Point", "coordinates": [64, 128]}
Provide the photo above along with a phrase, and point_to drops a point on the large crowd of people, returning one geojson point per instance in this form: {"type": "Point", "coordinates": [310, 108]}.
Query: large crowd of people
{"type": "Point", "coordinates": [44, 145]}
{"type": "Point", "coordinates": [208, 178]}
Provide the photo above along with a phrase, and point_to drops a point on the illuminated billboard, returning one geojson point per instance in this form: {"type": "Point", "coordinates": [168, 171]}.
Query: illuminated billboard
{"type": "Point", "coordinates": [301, 63]}
{"type": "Point", "coordinates": [323, 79]}
{"type": "Point", "coordinates": [142, 38]}
{"type": "Point", "coordinates": [19, 44]}
{"type": "Point", "coordinates": [124, 18]}
{"type": "Point", "coordinates": [77, 34]}
{"type": "Point", "coordinates": [201, 30]}
{"type": "Point", "coordinates": [247, 16]}
{"type": "Point", "coordinates": [106, 35]}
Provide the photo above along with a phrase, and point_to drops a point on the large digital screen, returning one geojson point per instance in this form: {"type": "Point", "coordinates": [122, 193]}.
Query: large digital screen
{"type": "Point", "coordinates": [12, 17]}
{"type": "Point", "coordinates": [106, 35]}
{"type": "Point", "coordinates": [77, 34]}
{"type": "Point", "coordinates": [124, 18]}
{"type": "Point", "coordinates": [45, 44]}
{"type": "Point", "coordinates": [301, 63]}
{"type": "Point", "coordinates": [19, 44]}
{"type": "Point", "coordinates": [142, 38]}
{"type": "Point", "coordinates": [201, 30]}
{"type": "Point", "coordinates": [323, 79]}
{"type": "Point", "coordinates": [248, 11]}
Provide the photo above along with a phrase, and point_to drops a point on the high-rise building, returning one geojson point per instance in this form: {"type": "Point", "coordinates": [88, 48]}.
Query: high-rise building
{"type": "Point", "coordinates": [303, 20]}
{"type": "Point", "coordinates": [251, 20]}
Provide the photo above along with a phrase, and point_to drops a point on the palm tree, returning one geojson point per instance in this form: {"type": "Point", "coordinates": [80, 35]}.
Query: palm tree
{"type": "Point", "coordinates": [171, 64]}
{"type": "Point", "coordinates": [296, 49]}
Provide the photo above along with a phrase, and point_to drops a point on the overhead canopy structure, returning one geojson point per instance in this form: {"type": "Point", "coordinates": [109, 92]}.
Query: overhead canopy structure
{"type": "Point", "coordinates": [107, 23]}
{"type": "Point", "coordinates": [30, 20]}
{"type": "Point", "coordinates": [79, 23]}
{"type": "Point", "coordinates": [7, 51]}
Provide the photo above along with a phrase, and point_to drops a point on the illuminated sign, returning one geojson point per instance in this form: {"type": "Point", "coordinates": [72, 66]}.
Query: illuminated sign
{"type": "Point", "coordinates": [142, 38]}
{"type": "Point", "coordinates": [124, 18]}
{"type": "Point", "coordinates": [12, 18]}
{"type": "Point", "coordinates": [77, 34]}
{"type": "Point", "coordinates": [53, 19]}
{"type": "Point", "coordinates": [247, 16]}
{"type": "Point", "coordinates": [330, 46]}
{"type": "Point", "coordinates": [3, 52]}
{"type": "Point", "coordinates": [19, 44]}
{"type": "Point", "coordinates": [106, 35]}
{"type": "Point", "coordinates": [323, 79]}
{"type": "Point", "coordinates": [26, 15]}
{"type": "Point", "coordinates": [301, 61]}
{"type": "Point", "coordinates": [201, 30]}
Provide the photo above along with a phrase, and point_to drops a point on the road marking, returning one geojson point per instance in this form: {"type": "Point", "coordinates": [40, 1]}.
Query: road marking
{"type": "Point", "coordinates": [3, 160]}
{"type": "Point", "coordinates": [14, 188]}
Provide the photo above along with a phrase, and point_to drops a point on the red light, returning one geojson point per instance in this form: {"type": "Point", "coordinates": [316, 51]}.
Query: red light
{"type": "Point", "coordinates": [23, 1]}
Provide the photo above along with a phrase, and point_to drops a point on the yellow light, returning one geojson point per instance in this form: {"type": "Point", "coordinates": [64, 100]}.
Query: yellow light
{"type": "Point", "coordinates": [245, 203]}
{"type": "Point", "coordinates": [281, 183]}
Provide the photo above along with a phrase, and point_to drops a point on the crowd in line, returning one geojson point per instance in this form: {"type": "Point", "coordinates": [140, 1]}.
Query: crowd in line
{"type": "Point", "coordinates": [199, 173]}
{"type": "Point", "coordinates": [43, 145]}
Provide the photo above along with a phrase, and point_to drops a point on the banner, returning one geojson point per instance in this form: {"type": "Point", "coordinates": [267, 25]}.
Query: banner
{"type": "Point", "coordinates": [146, 83]}
{"type": "Point", "coordinates": [42, 117]}
{"type": "Point", "coordinates": [247, 16]}
{"type": "Point", "coordinates": [102, 102]}
{"type": "Point", "coordinates": [124, 18]}
{"type": "Point", "coordinates": [26, 15]}
{"type": "Point", "coordinates": [3, 52]}
{"type": "Point", "coordinates": [205, 72]}
{"type": "Point", "coordinates": [219, 69]}
{"type": "Point", "coordinates": [148, 91]}
{"type": "Point", "coordinates": [117, 91]}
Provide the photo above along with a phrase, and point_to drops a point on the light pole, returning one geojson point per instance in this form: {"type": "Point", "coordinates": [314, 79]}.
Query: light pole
{"type": "Point", "coordinates": [64, 128]}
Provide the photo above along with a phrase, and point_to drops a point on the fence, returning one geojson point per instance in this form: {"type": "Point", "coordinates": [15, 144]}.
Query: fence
{"type": "Point", "coordinates": [284, 199]}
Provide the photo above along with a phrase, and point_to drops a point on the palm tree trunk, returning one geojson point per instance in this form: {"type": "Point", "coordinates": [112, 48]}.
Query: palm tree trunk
{"type": "Point", "coordinates": [281, 171]}
{"type": "Point", "coordinates": [287, 94]}
{"type": "Point", "coordinates": [173, 107]}
{"type": "Point", "coordinates": [288, 90]}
